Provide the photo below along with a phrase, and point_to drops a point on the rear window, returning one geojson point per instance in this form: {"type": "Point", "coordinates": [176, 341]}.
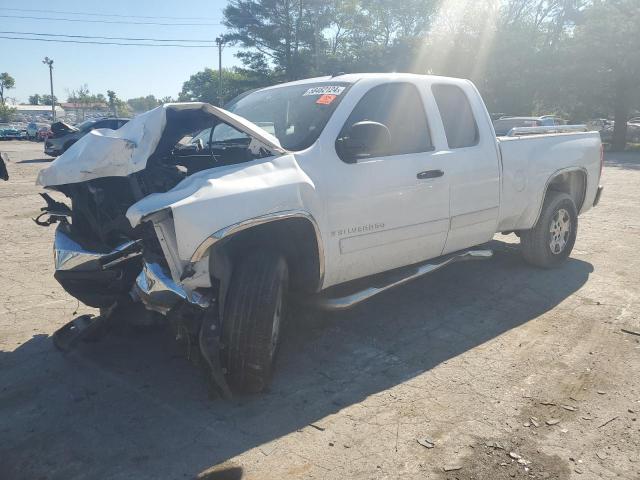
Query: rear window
{"type": "Point", "coordinates": [457, 117]}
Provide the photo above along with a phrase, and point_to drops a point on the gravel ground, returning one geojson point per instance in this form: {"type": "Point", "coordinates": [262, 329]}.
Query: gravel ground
{"type": "Point", "coordinates": [506, 371]}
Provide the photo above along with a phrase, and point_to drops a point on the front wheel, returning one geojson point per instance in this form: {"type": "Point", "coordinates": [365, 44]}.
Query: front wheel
{"type": "Point", "coordinates": [550, 241]}
{"type": "Point", "coordinates": [254, 312]}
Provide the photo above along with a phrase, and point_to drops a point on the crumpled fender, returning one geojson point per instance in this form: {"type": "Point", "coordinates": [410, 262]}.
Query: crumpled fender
{"type": "Point", "coordinates": [213, 199]}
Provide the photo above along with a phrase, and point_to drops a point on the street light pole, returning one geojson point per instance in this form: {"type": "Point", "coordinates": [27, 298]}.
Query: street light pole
{"type": "Point", "coordinates": [220, 41]}
{"type": "Point", "coordinates": [49, 61]}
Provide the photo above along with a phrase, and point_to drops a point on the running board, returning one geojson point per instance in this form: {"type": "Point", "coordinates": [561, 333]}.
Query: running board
{"type": "Point", "coordinates": [399, 277]}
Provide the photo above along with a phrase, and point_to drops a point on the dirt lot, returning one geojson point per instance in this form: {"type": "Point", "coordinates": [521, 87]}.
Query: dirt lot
{"type": "Point", "coordinates": [509, 371]}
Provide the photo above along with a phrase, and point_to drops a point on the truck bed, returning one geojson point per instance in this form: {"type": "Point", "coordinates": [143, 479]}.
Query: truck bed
{"type": "Point", "coordinates": [528, 162]}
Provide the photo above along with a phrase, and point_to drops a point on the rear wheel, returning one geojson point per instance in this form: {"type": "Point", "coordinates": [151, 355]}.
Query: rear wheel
{"type": "Point", "coordinates": [551, 240]}
{"type": "Point", "coordinates": [254, 311]}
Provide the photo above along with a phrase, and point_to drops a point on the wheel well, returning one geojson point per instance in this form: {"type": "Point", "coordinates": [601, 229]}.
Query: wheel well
{"type": "Point", "coordinates": [573, 183]}
{"type": "Point", "coordinates": [295, 238]}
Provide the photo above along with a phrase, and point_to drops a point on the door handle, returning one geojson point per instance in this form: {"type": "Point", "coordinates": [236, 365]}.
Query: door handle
{"type": "Point", "coordinates": [429, 174]}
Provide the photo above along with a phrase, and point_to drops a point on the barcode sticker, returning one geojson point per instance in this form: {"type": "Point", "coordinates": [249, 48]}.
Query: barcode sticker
{"type": "Point", "coordinates": [325, 90]}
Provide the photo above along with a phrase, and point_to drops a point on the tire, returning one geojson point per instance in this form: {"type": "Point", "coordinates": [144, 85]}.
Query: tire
{"type": "Point", "coordinates": [68, 145]}
{"type": "Point", "coordinates": [549, 243]}
{"type": "Point", "coordinates": [253, 314]}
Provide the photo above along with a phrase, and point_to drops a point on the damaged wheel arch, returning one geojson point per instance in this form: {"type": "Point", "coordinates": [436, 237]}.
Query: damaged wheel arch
{"type": "Point", "coordinates": [294, 233]}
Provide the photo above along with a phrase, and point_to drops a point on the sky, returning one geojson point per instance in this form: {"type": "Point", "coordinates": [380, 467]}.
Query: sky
{"type": "Point", "coordinates": [131, 71]}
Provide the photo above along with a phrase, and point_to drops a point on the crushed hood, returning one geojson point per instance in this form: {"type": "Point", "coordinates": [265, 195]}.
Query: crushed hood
{"type": "Point", "coordinates": [62, 128]}
{"type": "Point", "coordinates": [119, 153]}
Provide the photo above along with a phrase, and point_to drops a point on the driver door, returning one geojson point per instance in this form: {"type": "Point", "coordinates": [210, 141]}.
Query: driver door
{"type": "Point", "coordinates": [389, 209]}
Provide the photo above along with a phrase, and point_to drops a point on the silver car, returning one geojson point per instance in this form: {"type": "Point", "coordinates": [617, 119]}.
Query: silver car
{"type": "Point", "coordinates": [65, 135]}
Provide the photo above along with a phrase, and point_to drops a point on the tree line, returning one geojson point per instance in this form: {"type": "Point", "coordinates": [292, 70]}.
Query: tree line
{"type": "Point", "coordinates": [579, 59]}
{"type": "Point", "coordinates": [575, 58]}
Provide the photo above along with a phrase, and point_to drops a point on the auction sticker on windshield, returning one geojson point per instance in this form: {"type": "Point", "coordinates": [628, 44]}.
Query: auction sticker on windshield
{"type": "Point", "coordinates": [325, 99]}
{"type": "Point", "coordinates": [325, 90]}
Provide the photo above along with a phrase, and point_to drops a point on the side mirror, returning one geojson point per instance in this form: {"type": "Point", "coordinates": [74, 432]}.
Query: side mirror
{"type": "Point", "coordinates": [364, 139]}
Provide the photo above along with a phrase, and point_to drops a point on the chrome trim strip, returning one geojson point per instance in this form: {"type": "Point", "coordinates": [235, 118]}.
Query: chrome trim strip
{"type": "Point", "coordinates": [70, 255]}
{"type": "Point", "coordinates": [348, 301]}
{"type": "Point", "coordinates": [230, 230]}
{"type": "Point", "coordinates": [160, 293]}
{"type": "Point", "coordinates": [521, 131]}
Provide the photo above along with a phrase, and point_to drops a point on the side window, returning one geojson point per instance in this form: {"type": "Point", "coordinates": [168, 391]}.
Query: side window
{"type": "Point", "coordinates": [102, 124]}
{"type": "Point", "coordinates": [399, 107]}
{"type": "Point", "coordinates": [459, 123]}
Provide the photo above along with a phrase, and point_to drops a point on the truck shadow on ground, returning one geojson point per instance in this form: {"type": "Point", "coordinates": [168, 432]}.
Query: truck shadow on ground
{"type": "Point", "coordinates": [136, 408]}
{"type": "Point", "coordinates": [37, 160]}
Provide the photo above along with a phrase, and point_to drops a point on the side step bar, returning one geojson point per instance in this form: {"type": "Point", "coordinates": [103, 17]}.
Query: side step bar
{"type": "Point", "coordinates": [399, 277]}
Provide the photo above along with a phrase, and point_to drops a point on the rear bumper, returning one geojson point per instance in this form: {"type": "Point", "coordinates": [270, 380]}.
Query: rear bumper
{"type": "Point", "coordinates": [598, 194]}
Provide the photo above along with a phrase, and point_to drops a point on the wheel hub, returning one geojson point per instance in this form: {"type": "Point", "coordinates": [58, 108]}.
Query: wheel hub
{"type": "Point", "coordinates": [560, 230]}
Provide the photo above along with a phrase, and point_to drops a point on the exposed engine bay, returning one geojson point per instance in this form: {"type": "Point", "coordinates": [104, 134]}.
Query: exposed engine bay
{"type": "Point", "coordinates": [99, 254]}
{"type": "Point", "coordinates": [96, 218]}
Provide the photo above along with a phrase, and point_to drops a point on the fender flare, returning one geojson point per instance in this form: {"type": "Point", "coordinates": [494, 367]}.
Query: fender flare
{"type": "Point", "coordinates": [229, 231]}
{"type": "Point", "coordinates": [553, 176]}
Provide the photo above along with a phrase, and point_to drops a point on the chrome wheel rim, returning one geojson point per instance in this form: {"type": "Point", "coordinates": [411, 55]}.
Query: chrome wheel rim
{"type": "Point", "coordinates": [560, 231]}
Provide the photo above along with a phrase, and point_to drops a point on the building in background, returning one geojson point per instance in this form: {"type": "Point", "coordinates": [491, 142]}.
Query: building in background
{"type": "Point", "coordinates": [78, 112]}
{"type": "Point", "coordinates": [39, 113]}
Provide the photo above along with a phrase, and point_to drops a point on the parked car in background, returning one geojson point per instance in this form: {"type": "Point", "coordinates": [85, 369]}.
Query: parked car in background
{"type": "Point", "coordinates": [65, 135]}
{"type": "Point", "coordinates": [11, 132]}
{"type": "Point", "coordinates": [32, 131]}
{"type": "Point", "coordinates": [504, 124]}
{"type": "Point", "coordinates": [605, 127]}
{"type": "Point", "coordinates": [44, 132]}
{"type": "Point", "coordinates": [38, 131]}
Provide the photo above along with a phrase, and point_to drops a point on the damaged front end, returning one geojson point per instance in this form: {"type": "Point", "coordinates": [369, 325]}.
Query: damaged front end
{"type": "Point", "coordinates": [104, 255]}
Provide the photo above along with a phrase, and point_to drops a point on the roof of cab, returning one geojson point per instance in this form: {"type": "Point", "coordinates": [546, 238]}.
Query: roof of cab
{"type": "Point", "coordinates": [354, 77]}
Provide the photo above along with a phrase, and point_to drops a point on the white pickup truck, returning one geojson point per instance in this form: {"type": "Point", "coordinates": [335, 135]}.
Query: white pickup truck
{"type": "Point", "coordinates": [331, 189]}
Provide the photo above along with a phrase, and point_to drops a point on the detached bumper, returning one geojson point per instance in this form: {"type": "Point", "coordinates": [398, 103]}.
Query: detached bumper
{"type": "Point", "coordinates": [598, 194]}
{"type": "Point", "coordinates": [96, 278]}
{"type": "Point", "coordinates": [157, 290]}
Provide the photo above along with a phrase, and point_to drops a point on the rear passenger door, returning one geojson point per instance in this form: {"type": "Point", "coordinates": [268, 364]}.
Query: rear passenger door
{"type": "Point", "coordinates": [392, 209]}
{"type": "Point", "coordinates": [472, 166]}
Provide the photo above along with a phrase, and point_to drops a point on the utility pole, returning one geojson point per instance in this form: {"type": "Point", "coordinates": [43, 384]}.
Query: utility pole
{"type": "Point", "coordinates": [49, 61]}
{"type": "Point", "coordinates": [220, 41]}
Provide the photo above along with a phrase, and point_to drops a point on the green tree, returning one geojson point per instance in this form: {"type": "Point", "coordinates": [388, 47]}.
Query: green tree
{"type": "Point", "coordinates": [111, 95]}
{"type": "Point", "coordinates": [35, 99]}
{"type": "Point", "coordinates": [7, 82]}
{"type": "Point", "coordinates": [45, 99]}
{"type": "Point", "coordinates": [605, 55]}
{"type": "Point", "coordinates": [142, 104]}
{"type": "Point", "coordinates": [117, 107]}
{"type": "Point", "coordinates": [283, 33]}
{"type": "Point", "coordinates": [6, 112]}
{"type": "Point", "coordinates": [203, 86]}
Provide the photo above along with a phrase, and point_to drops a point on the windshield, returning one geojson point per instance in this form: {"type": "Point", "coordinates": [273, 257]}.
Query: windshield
{"type": "Point", "coordinates": [295, 115]}
{"type": "Point", "coordinates": [84, 125]}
